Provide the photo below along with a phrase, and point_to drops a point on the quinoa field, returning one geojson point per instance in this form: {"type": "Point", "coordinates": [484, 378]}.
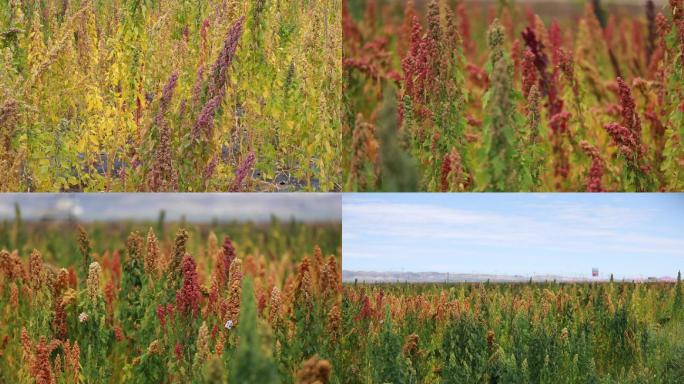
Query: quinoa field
{"type": "Point", "coordinates": [442, 95]}
{"type": "Point", "coordinates": [179, 178]}
{"type": "Point", "coordinates": [157, 95]}
{"type": "Point", "coordinates": [612, 332]}
{"type": "Point", "coordinates": [163, 302]}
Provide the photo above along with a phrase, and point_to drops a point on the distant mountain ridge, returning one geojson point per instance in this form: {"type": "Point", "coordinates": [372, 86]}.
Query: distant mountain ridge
{"type": "Point", "coordinates": [441, 277]}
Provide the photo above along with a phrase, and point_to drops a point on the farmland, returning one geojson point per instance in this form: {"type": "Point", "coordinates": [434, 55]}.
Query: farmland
{"type": "Point", "coordinates": [136, 302]}
{"type": "Point", "coordinates": [611, 332]}
{"type": "Point", "coordinates": [497, 96]}
{"type": "Point", "coordinates": [153, 95]}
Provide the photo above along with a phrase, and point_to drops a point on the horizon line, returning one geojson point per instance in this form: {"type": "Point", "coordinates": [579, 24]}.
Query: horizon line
{"type": "Point", "coordinates": [603, 277]}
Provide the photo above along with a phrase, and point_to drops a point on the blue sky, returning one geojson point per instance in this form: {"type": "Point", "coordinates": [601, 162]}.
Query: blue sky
{"type": "Point", "coordinates": [194, 206]}
{"type": "Point", "coordinates": [629, 235]}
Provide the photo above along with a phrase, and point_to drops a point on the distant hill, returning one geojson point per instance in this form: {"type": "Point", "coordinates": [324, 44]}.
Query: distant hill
{"type": "Point", "coordinates": [441, 277]}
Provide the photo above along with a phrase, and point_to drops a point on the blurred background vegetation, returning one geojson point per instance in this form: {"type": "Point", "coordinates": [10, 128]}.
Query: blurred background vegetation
{"type": "Point", "coordinates": [57, 238]}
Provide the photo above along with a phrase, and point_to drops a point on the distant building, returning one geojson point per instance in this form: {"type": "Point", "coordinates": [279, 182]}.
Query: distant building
{"type": "Point", "coordinates": [594, 272]}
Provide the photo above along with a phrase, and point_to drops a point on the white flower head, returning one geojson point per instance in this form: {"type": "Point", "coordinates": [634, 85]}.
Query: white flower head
{"type": "Point", "coordinates": [82, 317]}
{"type": "Point", "coordinates": [229, 324]}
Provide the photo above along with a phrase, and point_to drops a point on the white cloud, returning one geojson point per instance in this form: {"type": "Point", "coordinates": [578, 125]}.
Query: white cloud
{"type": "Point", "coordinates": [558, 227]}
{"type": "Point", "coordinates": [431, 213]}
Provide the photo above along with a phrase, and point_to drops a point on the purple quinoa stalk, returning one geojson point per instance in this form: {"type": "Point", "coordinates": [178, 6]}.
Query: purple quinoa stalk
{"type": "Point", "coordinates": [167, 92]}
{"type": "Point", "coordinates": [163, 177]}
{"type": "Point", "coordinates": [218, 77]}
{"type": "Point", "coordinates": [242, 171]}
{"type": "Point", "coordinates": [209, 170]}
{"type": "Point", "coordinates": [197, 88]}
{"type": "Point", "coordinates": [205, 121]}
{"type": "Point", "coordinates": [216, 83]}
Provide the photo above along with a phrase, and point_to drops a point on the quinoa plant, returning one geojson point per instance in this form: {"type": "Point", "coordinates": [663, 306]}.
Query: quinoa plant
{"type": "Point", "coordinates": [249, 364]}
{"type": "Point", "coordinates": [389, 363]}
{"type": "Point", "coordinates": [93, 333]}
